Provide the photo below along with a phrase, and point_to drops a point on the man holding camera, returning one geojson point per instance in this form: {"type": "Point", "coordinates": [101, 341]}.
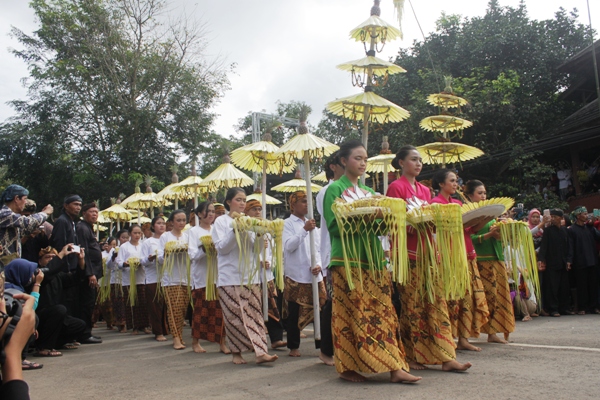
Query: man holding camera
{"type": "Point", "coordinates": [13, 225]}
{"type": "Point", "coordinates": [93, 268]}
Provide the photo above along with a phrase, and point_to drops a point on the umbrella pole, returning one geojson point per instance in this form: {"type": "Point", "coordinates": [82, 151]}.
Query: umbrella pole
{"type": "Point", "coordinates": [177, 204]}
{"type": "Point", "coordinates": [152, 212]}
{"type": "Point", "coordinates": [97, 231]}
{"type": "Point", "coordinates": [385, 177]}
{"type": "Point", "coordinates": [365, 136]}
{"type": "Point", "coordinates": [265, 283]}
{"type": "Point", "coordinates": [139, 217]}
{"type": "Point", "coordinates": [118, 224]}
{"type": "Point", "coordinates": [315, 282]}
{"type": "Point", "coordinates": [196, 206]}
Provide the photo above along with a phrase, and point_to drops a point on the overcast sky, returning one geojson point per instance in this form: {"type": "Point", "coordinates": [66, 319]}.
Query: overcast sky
{"type": "Point", "coordinates": [284, 50]}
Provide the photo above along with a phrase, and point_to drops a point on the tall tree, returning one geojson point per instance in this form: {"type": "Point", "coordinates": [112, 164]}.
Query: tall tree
{"type": "Point", "coordinates": [112, 89]}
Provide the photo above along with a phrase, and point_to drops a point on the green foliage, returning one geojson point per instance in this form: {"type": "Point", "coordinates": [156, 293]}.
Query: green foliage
{"type": "Point", "coordinates": [111, 91]}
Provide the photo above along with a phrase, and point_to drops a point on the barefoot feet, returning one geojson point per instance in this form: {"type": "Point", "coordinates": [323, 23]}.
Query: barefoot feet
{"type": "Point", "coordinates": [224, 349]}
{"type": "Point", "coordinates": [294, 353]}
{"type": "Point", "coordinates": [401, 376]}
{"type": "Point", "coordinates": [352, 376]}
{"type": "Point", "coordinates": [238, 359]}
{"type": "Point", "coordinates": [160, 338]}
{"type": "Point", "coordinates": [493, 338]}
{"type": "Point", "coordinates": [417, 366]}
{"type": "Point", "coordinates": [196, 347]}
{"type": "Point", "coordinates": [265, 358]}
{"type": "Point", "coordinates": [463, 344]}
{"type": "Point", "coordinates": [326, 359]}
{"type": "Point", "coordinates": [278, 344]}
{"type": "Point", "coordinates": [455, 366]}
{"type": "Point", "coordinates": [178, 344]}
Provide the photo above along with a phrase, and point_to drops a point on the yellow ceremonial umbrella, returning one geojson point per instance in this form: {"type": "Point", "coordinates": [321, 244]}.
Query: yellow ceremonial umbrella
{"type": "Point", "coordinates": [444, 123]}
{"type": "Point", "coordinates": [382, 163]}
{"type": "Point", "coordinates": [320, 177]}
{"type": "Point", "coordinates": [295, 185]}
{"type": "Point", "coordinates": [375, 29]}
{"type": "Point", "coordinates": [447, 152]}
{"type": "Point", "coordinates": [446, 100]}
{"type": "Point", "coordinates": [380, 67]}
{"type": "Point", "coordinates": [378, 109]}
{"type": "Point", "coordinates": [259, 196]}
{"type": "Point", "coordinates": [117, 213]}
{"type": "Point", "coordinates": [306, 146]}
{"type": "Point", "coordinates": [226, 176]}
{"type": "Point", "coordinates": [190, 188]}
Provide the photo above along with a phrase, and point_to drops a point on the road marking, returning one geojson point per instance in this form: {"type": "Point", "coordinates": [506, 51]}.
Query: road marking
{"type": "Point", "coordinates": [543, 346]}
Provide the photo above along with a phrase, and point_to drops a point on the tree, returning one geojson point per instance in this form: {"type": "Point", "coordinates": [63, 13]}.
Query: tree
{"type": "Point", "coordinates": [112, 90]}
{"type": "Point", "coordinates": [505, 65]}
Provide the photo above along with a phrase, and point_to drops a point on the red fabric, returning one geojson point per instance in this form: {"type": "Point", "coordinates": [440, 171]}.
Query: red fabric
{"type": "Point", "coordinates": [471, 254]}
{"type": "Point", "coordinates": [402, 189]}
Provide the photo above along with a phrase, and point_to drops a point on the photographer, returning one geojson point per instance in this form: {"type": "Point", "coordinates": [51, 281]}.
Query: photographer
{"type": "Point", "coordinates": [13, 225]}
{"type": "Point", "coordinates": [56, 328]}
{"type": "Point", "coordinates": [13, 386]}
{"type": "Point", "coordinates": [38, 239]}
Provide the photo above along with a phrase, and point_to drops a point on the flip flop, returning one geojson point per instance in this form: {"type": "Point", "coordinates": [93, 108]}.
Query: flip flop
{"type": "Point", "coordinates": [28, 365]}
{"type": "Point", "coordinates": [70, 346]}
{"type": "Point", "coordinates": [47, 353]}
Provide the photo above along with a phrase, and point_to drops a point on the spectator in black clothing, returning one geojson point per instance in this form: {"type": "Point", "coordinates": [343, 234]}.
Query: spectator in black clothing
{"type": "Point", "coordinates": [56, 328]}
{"type": "Point", "coordinates": [552, 257]}
{"type": "Point", "coordinates": [583, 259]}
{"type": "Point", "coordinates": [64, 233]}
{"type": "Point", "coordinates": [92, 272]}
{"type": "Point", "coordinates": [38, 239]}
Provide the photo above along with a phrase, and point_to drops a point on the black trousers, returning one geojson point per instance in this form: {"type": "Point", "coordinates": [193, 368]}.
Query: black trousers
{"type": "Point", "coordinates": [57, 327]}
{"type": "Point", "coordinates": [293, 333]}
{"type": "Point", "coordinates": [555, 289]}
{"type": "Point", "coordinates": [326, 334]}
{"type": "Point", "coordinates": [275, 330]}
{"type": "Point", "coordinates": [586, 280]}
{"type": "Point", "coordinates": [87, 302]}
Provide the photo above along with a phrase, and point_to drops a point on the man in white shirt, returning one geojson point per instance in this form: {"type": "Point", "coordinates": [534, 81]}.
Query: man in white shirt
{"type": "Point", "coordinates": [333, 171]}
{"type": "Point", "coordinates": [299, 271]}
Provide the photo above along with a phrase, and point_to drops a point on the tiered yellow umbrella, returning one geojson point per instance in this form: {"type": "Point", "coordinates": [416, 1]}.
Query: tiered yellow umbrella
{"type": "Point", "coordinates": [444, 123]}
{"type": "Point", "coordinates": [382, 163]}
{"type": "Point", "coordinates": [147, 200]}
{"type": "Point", "coordinates": [117, 213]}
{"type": "Point", "coordinates": [190, 188]}
{"type": "Point", "coordinates": [369, 72]}
{"type": "Point", "coordinates": [320, 177]}
{"type": "Point", "coordinates": [447, 152]}
{"type": "Point", "coordinates": [306, 146]}
{"type": "Point", "coordinates": [295, 185]}
{"type": "Point", "coordinates": [225, 176]}
{"type": "Point", "coordinates": [259, 196]}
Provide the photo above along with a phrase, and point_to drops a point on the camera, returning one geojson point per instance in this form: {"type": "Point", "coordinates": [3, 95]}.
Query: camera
{"type": "Point", "coordinates": [75, 248]}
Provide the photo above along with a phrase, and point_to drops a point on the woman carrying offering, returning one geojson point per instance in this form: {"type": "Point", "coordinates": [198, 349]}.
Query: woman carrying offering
{"type": "Point", "coordinates": [133, 289]}
{"type": "Point", "coordinates": [490, 262]}
{"type": "Point", "coordinates": [155, 304]}
{"type": "Point", "coordinates": [364, 322]}
{"type": "Point", "coordinates": [469, 314]}
{"type": "Point", "coordinates": [239, 293]}
{"type": "Point", "coordinates": [424, 325]}
{"type": "Point", "coordinates": [173, 255]}
{"type": "Point", "coordinates": [207, 320]}
{"type": "Point", "coordinates": [116, 284]}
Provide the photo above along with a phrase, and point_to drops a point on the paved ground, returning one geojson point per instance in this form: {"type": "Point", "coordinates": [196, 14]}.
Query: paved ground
{"type": "Point", "coordinates": [549, 358]}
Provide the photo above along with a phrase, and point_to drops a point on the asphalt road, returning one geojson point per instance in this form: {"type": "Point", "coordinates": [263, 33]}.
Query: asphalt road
{"type": "Point", "coordinates": [548, 358]}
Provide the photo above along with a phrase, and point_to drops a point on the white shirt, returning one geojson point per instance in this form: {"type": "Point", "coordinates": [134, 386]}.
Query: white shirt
{"type": "Point", "coordinates": [197, 256]}
{"type": "Point", "coordinates": [296, 251]}
{"type": "Point", "coordinates": [150, 248]}
{"type": "Point", "coordinates": [127, 251]}
{"type": "Point", "coordinates": [325, 245]}
{"type": "Point", "coordinates": [267, 255]}
{"type": "Point", "coordinates": [178, 276]}
{"type": "Point", "coordinates": [111, 265]}
{"type": "Point", "coordinates": [231, 271]}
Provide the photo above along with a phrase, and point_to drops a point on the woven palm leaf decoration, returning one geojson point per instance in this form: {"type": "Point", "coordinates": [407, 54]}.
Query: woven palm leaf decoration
{"type": "Point", "coordinates": [134, 264]}
{"type": "Point", "coordinates": [211, 267]}
{"type": "Point", "coordinates": [176, 253]}
{"type": "Point", "coordinates": [357, 225]}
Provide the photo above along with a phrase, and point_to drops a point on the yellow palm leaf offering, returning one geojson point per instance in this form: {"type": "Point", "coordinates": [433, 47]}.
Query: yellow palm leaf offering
{"type": "Point", "coordinates": [104, 292]}
{"type": "Point", "coordinates": [134, 264]}
{"type": "Point", "coordinates": [485, 210]}
{"type": "Point", "coordinates": [242, 225]}
{"type": "Point", "coordinates": [211, 267]}
{"type": "Point", "coordinates": [516, 237]}
{"type": "Point", "coordinates": [177, 253]}
{"type": "Point", "coordinates": [441, 252]}
{"type": "Point", "coordinates": [361, 221]}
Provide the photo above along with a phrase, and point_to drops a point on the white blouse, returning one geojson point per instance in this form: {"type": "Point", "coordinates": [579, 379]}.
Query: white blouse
{"type": "Point", "coordinates": [150, 248]}
{"type": "Point", "coordinates": [296, 251]}
{"type": "Point", "coordinates": [115, 274]}
{"type": "Point", "coordinates": [231, 273]}
{"type": "Point", "coordinates": [179, 273]}
{"type": "Point", "coordinates": [127, 251]}
{"type": "Point", "coordinates": [198, 256]}
{"type": "Point", "coordinates": [267, 255]}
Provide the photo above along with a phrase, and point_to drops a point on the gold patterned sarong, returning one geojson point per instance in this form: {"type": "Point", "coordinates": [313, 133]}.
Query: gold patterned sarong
{"type": "Point", "coordinates": [497, 293]}
{"type": "Point", "coordinates": [425, 326]}
{"type": "Point", "coordinates": [364, 323]}
{"type": "Point", "coordinates": [469, 314]}
{"type": "Point", "coordinates": [301, 293]}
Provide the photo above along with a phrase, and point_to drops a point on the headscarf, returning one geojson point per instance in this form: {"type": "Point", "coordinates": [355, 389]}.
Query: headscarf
{"type": "Point", "coordinates": [72, 198]}
{"type": "Point", "coordinates": [576, 212]}
{"type": "Point", "coordinates": [295, 197]}
{"type": "Point", "coordinates": [18, 274]}
{"type": "Point", "coordinates": [30, 206]}
{"type": "Point", "coordinates": [250, 204]}
{"type": "Point", "coordinates": [531, 225]}
{"type": "Point", "coordinates": [11, 192]}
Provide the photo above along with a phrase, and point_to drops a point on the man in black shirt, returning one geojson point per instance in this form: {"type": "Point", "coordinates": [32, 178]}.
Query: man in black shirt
{"type": "Point", "coordinates": [93, 269]}
{"type": "Point", "coordinates": [553, 261]}
{"type": "Point", "coordinates": [63, 232]}
{"type": "Point", "coordinates": [583, 259]}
